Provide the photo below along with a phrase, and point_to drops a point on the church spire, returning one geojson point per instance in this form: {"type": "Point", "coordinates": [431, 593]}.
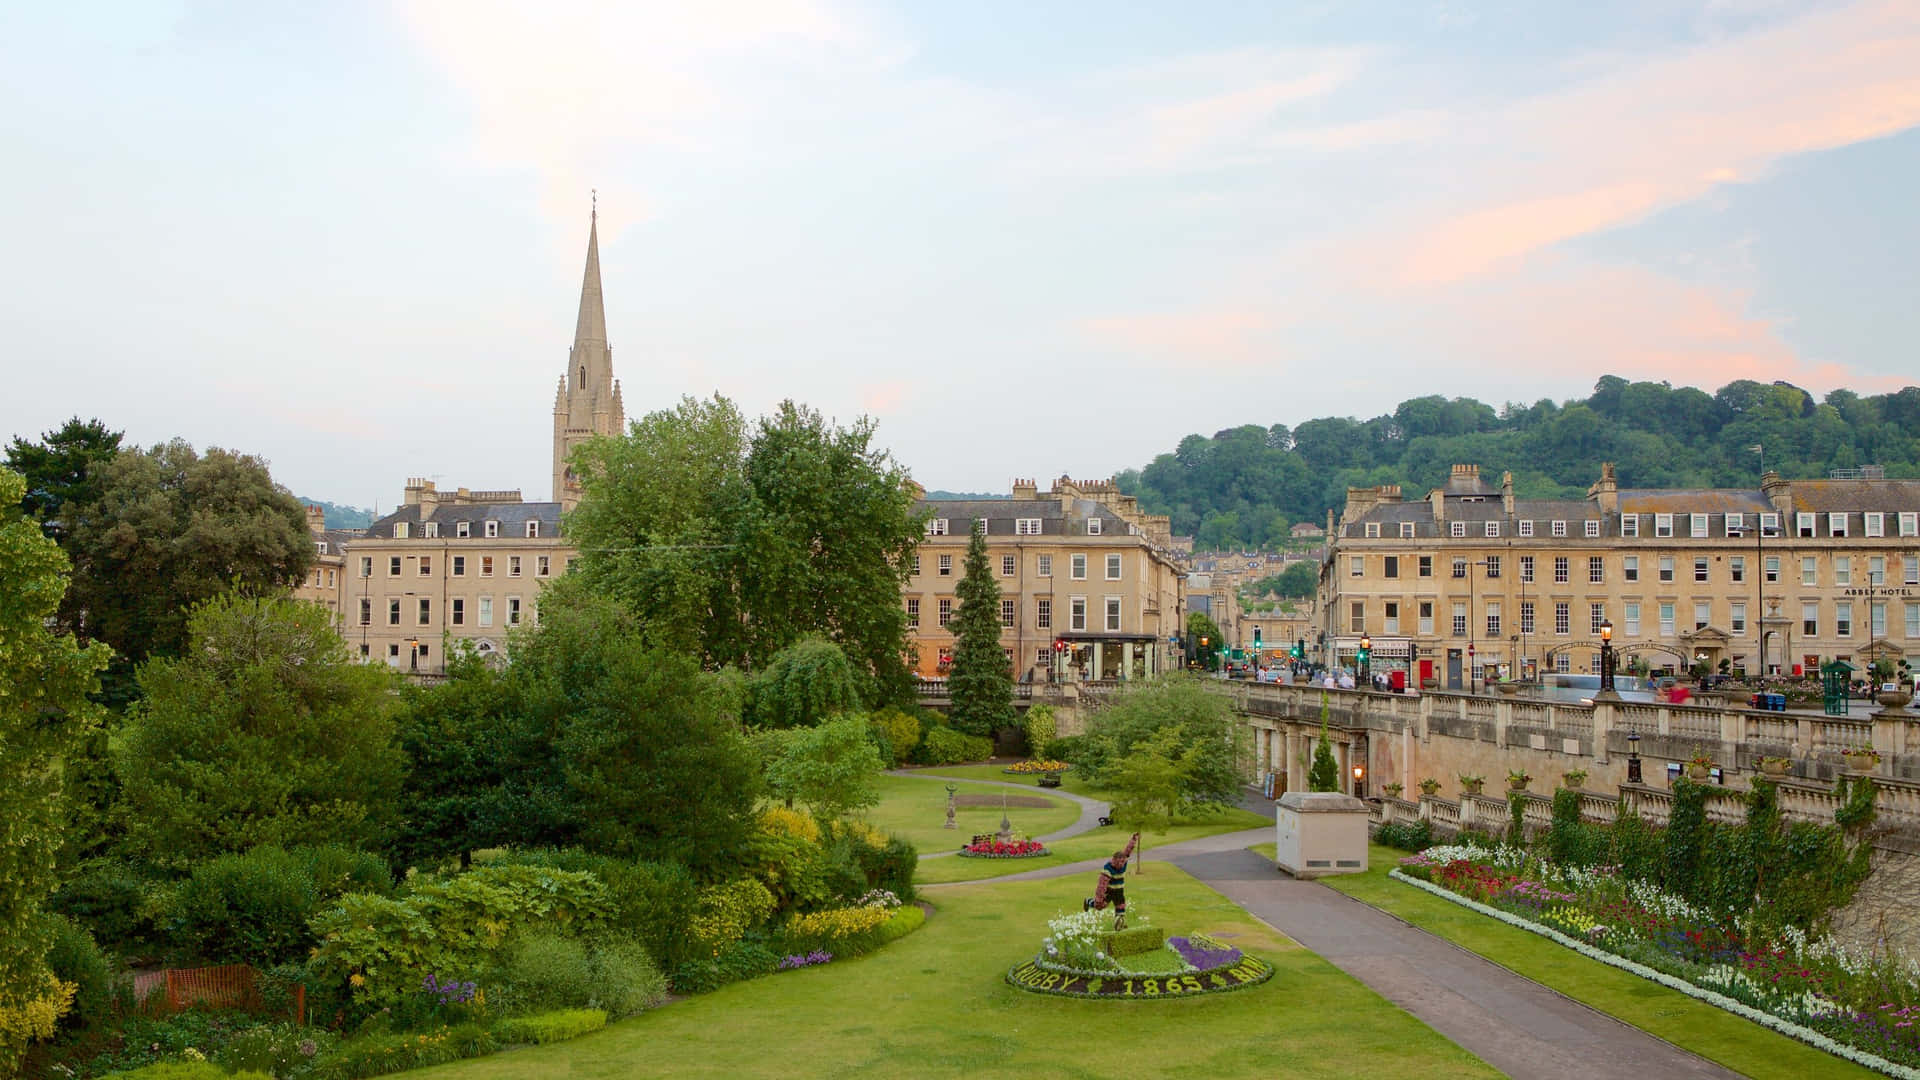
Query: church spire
{"type": "Point", "coordinates": [592, 324]}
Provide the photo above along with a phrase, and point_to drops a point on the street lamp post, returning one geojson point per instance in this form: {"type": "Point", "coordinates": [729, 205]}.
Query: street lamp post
{"type": "Point", "coordinates": [1606, 659]}
{"type": "Point", "coordinates": [1366, 658]}
{"type": "Point", "coordinates": [413, 655]}
{"type": "Point", "coordinates": [1633, 756]}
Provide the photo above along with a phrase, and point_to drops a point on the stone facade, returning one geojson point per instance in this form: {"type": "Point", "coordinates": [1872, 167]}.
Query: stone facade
{"type": "Point", "coordinates": [1471, 583]}
{"type": "Point", "coordinates": [1079, 565]}
{"type": "Point", "coordinates": [323, 583]}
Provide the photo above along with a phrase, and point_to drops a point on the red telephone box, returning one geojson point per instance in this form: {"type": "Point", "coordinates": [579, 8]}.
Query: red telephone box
{"type": "Point", "coordinates": [1426, 670]}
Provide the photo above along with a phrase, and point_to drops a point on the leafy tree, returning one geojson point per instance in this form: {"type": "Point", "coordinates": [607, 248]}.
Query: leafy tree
{"type": "Point", "coordinates": [981, 683]}
{"type": "Point", "coordinates": [731, 548]}
{"type": "Point", "coordinates": [265, 732]}
{"type": "Point", "coordinates": [45, 682]}
{"type": "Point", "coordinates": [1324, 774]}
{"type": "Point", "coordinates": [1199, 626]}
{"type": "Point", "coordinates": [1150, 785]}
{"type": "Point", "coordinates": [60, 470]}
{"type": "Point", "coordinates": [833, 768]}
{"type": "Point", "coordinates": [482, 768]}
{"type": "Point", "coordinates": [1203, 720]}
{"type": "Point", "coordinates": [169, 529]}
{"type": "Point", "coordinates": [1300, 579]}
{"type": "Point", "coordinates": [805, 684]}
{"type": "Point", "coordinates": [650, 745]}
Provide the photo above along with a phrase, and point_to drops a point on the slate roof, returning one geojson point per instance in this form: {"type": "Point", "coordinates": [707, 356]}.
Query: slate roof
{"type": "Point", "coordinates": [1002, 513]}
{"type": "Point", "coordinates": [511, 516]}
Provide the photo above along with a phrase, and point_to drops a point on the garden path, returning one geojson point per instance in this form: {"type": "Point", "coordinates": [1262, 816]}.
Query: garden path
{"type": "Point", "coordinates": [1091, 810]}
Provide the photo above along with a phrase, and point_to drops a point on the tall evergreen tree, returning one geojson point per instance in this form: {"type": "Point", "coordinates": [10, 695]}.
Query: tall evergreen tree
{"type": "Point", "coordinates": [1324, 775]}
{"type": "Point", "coordinates": [982, 680]}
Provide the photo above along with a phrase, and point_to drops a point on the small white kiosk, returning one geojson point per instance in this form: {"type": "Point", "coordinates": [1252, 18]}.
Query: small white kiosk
{"type": "Point", "coordinates": [1317, 833]}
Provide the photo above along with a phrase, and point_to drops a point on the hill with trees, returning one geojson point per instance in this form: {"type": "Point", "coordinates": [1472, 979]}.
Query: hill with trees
{"type": "Point", "coordinates": [1244, 486]}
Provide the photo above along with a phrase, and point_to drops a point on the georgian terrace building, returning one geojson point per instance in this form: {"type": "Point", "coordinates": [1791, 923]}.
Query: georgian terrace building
{"type": "Point", "coordinates": [1471, 583]}
{"type": "Point", "coordinates": [1079, 565]}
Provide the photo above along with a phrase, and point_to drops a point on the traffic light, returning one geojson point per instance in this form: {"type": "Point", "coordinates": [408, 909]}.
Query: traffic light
{"type": "Point", "coordinates": [1256, 637]}
{"type": "Point", "coordinates": [1299, 650]}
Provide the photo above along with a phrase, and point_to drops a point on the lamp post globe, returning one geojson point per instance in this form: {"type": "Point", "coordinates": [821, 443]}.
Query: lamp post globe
{"type": "Point", "coordinates": [1606, 656]}
{"type": "Point", "coordinates": [1365, 658]}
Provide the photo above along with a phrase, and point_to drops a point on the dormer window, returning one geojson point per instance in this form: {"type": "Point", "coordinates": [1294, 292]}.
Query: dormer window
{"type": "Point", "coordinates": [1630, 525]}
{"type": "Point", "coordinates": [1910, 523]}
{"type": "Point", "coordinates": [1697, 525]}
{"type": "Point", "coordinates": [1803, 524]}
{"type": "Point", "coordinates": [432, 529]}
{"type": "Point", "coordinates": [493, 529]}
{"type": "Point", "coordinates": [533, 529]}
{"type": "Point", "coordinates": [399, 530]}
{"type": "Point", "coordinates": [1662, 526]}
{"type": "Point", "coordinates": [1373, 530]}
{"type": "Point", "coordinates": [1593, 529]}
{"type": "Point", "coordinates": [462, 529]}
{"type": "Point", "coordinates": [1526, 527]}
{"type": "Point", "coordinates": [1769, 524]}
{"type": "Point", "coordinates": [1876, 524]}
{"type": "Point", "coordinates": [320, 546]}
{"type": "Point", "coordinates": [1493, 529]}
{"type": "Point", "coordinates": [1736, 524]}
{"type": "Point", "coordinates": [1093, 526]}
{"type": "Point", "coordinates": [1026, 526]}
{"type": "Point", "coordinates": [1459, 529]}
{"type": "Point", "coordinates": [1836, 524]}
{"type": "Point", "coordinates": [1559, 528]}
{"type": "Point", "coordinates": [936, 526]}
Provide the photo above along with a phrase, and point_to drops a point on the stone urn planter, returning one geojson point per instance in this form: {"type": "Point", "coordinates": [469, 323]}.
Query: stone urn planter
{"type": "Point", "coordinates": [1573, 781]}
{"type": "Point", "coordinates": [1697, 771]}
{"type": "Point", "coordinates": [1860, 762]}
{"type": "Point", "coordinates": [1775, 768]}
{"type": "Point", "coordinates": [1894, 700]}
{"type": "Point", "coordinates": [1429, 684]}
{"type": "Point", "coordinates": [1429, 788]}
{"type": "Point", "coordinates": [1507, 689]}
{"type": "Point", "coordinates": [1472, 784]}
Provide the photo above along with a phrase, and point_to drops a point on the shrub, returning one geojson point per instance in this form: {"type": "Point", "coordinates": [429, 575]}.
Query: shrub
{"type": "Point", "coordinates": [281, 1049]}
{"type": "Point", "coordinates": [653, 902]}
{"type": "Point", "coordinates": [75, 958]}
{"type": "Point", "coordinates": [1063, 748]}
{"type": "Point", "coordinates": [186, 1070]}
{"type": "Point", "coordinates": [841, 931]}
{"type": "Point", "coordinates": [545, 971]}
{"type": "Point", "coordinates": [119, 905]}
{"type": "Point", "coordinates": [379, 1054]}
{"type": "Point", "coordinates": [547, 1027]}
{"type": "Point", "coordinates": [624, 979]}
{"type": "Point", "coordinates": [906, 919]}
{"type": "Point", "coordinates": [726, 912]}
{"type": "Point", "coordinates": [337, 870]}
{"type": "Point", "coordinates": [1417, 836]}
{"type": "Point", "coordinates": [945, 746]}
{"type": "Point", "coordinates": [735, 963]}
{"type": "Point", "coordinates": [1040, 727]}
{"type": "Point", "coordinates": [901, 728]}
{"type": "Point", "coordinates": [244, 909]}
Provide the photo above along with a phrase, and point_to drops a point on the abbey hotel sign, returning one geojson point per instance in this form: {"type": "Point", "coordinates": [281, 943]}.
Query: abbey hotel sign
{"type": "Point", "coordinates": [1879, 591]}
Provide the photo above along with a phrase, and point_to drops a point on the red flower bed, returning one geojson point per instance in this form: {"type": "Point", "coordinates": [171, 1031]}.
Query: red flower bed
{"type": "Point", "coordinates": [1005, 849]}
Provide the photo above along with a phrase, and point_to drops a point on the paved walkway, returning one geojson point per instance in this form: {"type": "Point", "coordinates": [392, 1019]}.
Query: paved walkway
{"type": "Point", "coordinates": [1514, 1024]}
{"type": "Point", "coordinates": [1091, 810]}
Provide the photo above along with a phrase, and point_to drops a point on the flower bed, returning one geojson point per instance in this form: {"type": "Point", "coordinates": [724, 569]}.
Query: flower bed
{"type": "Point", "coordinates": [1863, 1008]}
{"type": "Point", "coordinates": [1028, 768]}
{"type": "Point", "coordinates": [1074, 962]}
{"type": "Point", "coordinates": [1005, 849]}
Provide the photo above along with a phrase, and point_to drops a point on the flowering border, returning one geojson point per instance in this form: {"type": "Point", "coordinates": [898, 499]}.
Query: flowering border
{"type": "Point", "coordinates": [1043, 850]}
{"type": "Point", "coordinates": [1051, 979]}
{"type": "Point", "coordinates": [1738, 1008]}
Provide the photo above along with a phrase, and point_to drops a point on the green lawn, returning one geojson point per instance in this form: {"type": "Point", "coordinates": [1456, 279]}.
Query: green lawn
{"type": "Point", "coordinates": [1740, 1045]}
{"type": "Point", "coordinates": [1097, 844]}
{"type": "Point", "coordinates": [916, 808]}
{"type": "Point", "coordinates": [1070, 780]}
{"type": "Point", "coordinates": [934, 1005]}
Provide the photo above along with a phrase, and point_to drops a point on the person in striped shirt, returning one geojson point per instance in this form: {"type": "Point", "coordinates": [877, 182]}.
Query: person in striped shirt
{"type": "Point", "coordinates": [1112, 886]}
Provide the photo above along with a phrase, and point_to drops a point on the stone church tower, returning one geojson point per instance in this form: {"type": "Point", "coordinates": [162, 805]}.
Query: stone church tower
{"type": "Point", "coordinates": [588, 403]}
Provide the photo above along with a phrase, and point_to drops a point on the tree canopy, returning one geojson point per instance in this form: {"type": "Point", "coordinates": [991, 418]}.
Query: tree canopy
{"type": "Point", "coordinates": [1243, 486]}
{"type": "Point", "coordinates": [1200, 740]}
{"type": "Point", "coordinates": [730, 546]}
{"type": "Point", "coordinates": [45, 681]}
{"type": "Point", "coordinates": [266, 732]}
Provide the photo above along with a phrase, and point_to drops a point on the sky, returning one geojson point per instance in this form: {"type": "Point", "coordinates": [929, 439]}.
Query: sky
{"type": "Point", "coordinates": [1027, 240]}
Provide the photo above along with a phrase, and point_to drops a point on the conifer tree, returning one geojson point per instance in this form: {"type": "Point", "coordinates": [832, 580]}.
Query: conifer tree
{"type": "Point", "coordinates": [982, 681]}
{"type": "Point", "coordinates": [1325, 773]}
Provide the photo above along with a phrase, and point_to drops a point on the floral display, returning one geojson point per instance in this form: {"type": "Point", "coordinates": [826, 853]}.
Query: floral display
{"type": "Point", "coordinates": [1005, 849]}
{"type": "Point", "coordinates": [1861, 1006]}
{"type": "Point", "coordinates": [878, 898]}
{"type": "Point", "coordinates": [1073, 962]}
{"type": "Point", "coordinates": [1202, 953]}
{"type": "Point", "coordinates": [1024, 768]}
{"type": "Point", "coordinates": [800, 960]}
{"type": "Point", "coordinates": [452, 991]}
{"type": "Point", "coordinates": [1250, 971]}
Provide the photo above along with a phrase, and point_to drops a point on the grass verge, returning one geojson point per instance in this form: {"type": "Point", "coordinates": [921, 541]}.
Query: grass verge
{"type": "Point", "coordinates": [935, 1005]}
{"type": "Point", "coordinates": [1719, 1036]}
{"type": "Point", "coordinates": [916, 808]}
{"type": "Point", "coordinates": [1098, 844]}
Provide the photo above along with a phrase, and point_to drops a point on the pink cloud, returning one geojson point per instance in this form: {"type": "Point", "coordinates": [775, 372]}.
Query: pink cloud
{"type": "Point", "coordinates": [1233, 336]}
{"type": "Point", "coordinates": [1618, 147]}
{"type": "Point", "coordinates": [884, 397]}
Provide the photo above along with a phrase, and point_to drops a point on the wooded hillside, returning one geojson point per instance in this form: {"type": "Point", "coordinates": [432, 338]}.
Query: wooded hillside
{"type": "Point", "coordinates": [1243, 487]}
